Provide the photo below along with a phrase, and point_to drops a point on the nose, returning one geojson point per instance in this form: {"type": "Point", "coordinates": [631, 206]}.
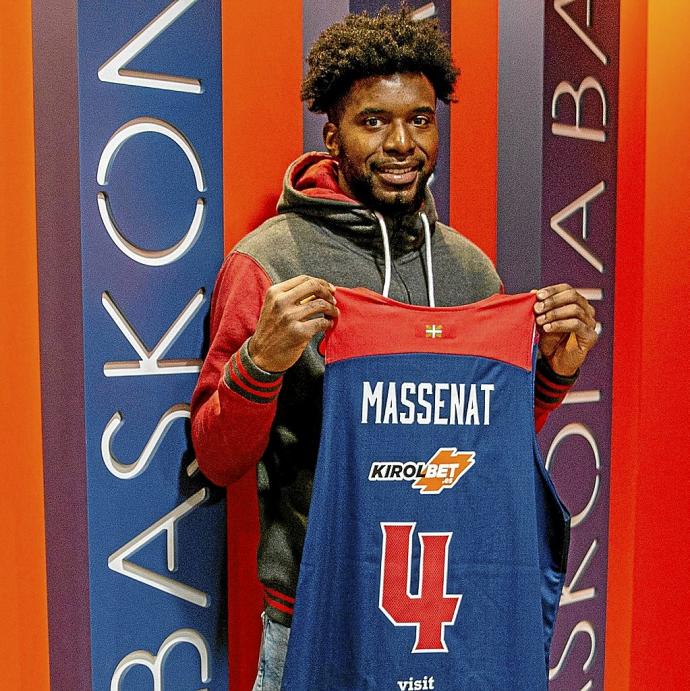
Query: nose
{"type": "Point", "coordinates": [399, 139]}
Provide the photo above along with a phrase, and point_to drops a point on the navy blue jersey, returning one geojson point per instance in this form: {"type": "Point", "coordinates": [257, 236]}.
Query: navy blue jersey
{"type": "Point", "coordinates": [436, 545]}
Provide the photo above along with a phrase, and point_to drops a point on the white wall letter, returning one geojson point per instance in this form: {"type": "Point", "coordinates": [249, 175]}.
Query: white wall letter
{"type": "Point", "coordinates": [568, 596]}
{"type": "Point", "coordinates": [128, 471]}
{"type": "Point", "coordinates": [143, 256]}
{"type": "Point", "coordinates": [575, 130]}
{"type": "Point", "coordinates": [579, 204]}
{"type": "Point", "coordinates": [424, 12]}
{"type": "Point", "coordinates": [577, 428]}
{"type": "Point", "coordinates": [559, 6]}
{"type": "Point", "coordinates": [581, 627]}
{"type": "Point", "coordinates": [155, 663]}
{"type": "Point", "coordinates": [113, 70]}
{"type": "Point", "coordinates": [150, 362]}
{"type": "Point", "coordinates": [118, 561]}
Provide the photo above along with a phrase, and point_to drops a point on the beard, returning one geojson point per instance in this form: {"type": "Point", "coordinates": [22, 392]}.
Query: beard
{"type": "Point", "coordinates": [364, 187]}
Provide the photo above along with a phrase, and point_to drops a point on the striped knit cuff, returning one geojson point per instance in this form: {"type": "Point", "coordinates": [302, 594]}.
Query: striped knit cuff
{"type": "Point", "coordinates": [244, 377]}
{"type": "Point", "coordinates": [549, 387]}
{"type": "Point", "coordinates": [277, 600]}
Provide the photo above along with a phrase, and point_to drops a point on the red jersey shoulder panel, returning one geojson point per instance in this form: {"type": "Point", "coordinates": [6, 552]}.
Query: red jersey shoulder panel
{"type": "Point", "coordinates": [500, 327]}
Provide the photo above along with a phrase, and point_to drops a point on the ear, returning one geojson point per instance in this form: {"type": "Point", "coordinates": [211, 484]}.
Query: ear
{"type": "Point", "coordinates": [331, 138]}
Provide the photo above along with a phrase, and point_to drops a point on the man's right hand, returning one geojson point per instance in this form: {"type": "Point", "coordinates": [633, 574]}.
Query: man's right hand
{"type": "Point", "coordinates": [293, 312]}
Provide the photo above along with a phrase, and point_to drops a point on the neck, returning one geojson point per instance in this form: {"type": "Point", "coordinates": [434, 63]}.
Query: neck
{"type": "Point", "coordinates": [342, 183]}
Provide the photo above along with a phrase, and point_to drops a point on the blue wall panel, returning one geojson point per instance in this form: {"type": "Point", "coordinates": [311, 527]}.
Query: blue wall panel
{"type": "Point", "coordinates": [158, 142]}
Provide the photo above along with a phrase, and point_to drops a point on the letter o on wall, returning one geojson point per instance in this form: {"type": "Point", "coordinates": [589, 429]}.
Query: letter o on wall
{"type": "Point", "coordinates": [578, 429]}
{"type": "Point", "coordinates": [124, 133]}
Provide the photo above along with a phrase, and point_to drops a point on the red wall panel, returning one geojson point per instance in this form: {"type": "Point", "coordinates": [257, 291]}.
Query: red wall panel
{"type": "Point", "coordinates": [661, 632]}
{"type": "Point", "coordinates": [647, 627]}
{"type": "Point", "coordinates": [628, 342]}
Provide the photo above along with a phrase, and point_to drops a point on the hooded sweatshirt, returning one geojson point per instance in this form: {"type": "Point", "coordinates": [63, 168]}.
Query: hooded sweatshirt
{"type": "Point", "coordinates": [244, 417]}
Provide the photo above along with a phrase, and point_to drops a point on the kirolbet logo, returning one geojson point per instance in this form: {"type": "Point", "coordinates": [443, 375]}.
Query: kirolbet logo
{"type": "Point", "coordinates": [441, 471]}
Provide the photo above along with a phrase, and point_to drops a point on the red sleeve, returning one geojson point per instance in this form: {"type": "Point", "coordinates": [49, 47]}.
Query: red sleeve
{"type": "Point", "coordinates": [549, 391]}
{"type": "Point", "coordinates": [234, 402]}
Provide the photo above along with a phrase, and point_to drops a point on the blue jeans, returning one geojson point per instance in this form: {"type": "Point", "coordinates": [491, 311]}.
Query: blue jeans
{"type": "Point", "coordinates": [274, 642]}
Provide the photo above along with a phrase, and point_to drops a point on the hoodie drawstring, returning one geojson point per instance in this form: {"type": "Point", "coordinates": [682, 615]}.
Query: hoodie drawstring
{"type": "Point", "coordinates": [388, 263]}
{"type": "Point", "coordinates": [429, 270]}
{"type": "Point", "coordinates": [386, 254]}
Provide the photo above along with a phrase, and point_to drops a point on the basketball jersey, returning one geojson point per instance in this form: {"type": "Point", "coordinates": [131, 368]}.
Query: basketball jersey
{"type": "Point", "coordinates": [436, 544]}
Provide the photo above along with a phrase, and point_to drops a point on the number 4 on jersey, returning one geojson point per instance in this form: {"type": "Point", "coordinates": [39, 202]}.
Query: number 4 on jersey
{"type": "Point", "coordinates": [432, 608]}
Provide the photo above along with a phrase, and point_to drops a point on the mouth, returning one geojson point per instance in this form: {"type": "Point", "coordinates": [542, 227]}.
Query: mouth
{"type": "Point", "coordinates": [398, 175]}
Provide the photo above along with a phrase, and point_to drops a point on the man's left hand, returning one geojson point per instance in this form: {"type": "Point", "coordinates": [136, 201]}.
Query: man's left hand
{"type": "Point", "coordinates": [566, 326]}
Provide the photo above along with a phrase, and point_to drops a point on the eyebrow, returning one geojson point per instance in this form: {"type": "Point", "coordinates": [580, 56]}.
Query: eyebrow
{"type": "Point", "coordinates": [380, 111]}
{"type": "Point", "coordinates": [372, 111]}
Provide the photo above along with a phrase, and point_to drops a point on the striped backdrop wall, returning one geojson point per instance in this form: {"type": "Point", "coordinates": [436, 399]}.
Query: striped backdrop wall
{"type": "Point", "coordinates": [155, 136]}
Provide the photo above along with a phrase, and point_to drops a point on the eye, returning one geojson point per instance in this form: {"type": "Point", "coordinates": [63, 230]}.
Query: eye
{"type": "Point", "coordinates": [373, 121]}
{"type": "Point", "coordinates": [421, 120]}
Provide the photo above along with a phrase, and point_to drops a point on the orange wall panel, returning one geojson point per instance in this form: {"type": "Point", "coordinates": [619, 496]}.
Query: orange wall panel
{"type": "Point", "coordinates": [24, 630]}
{"type": "Point", "coordinates": [474, 122]}
{"type": "Point", "coordinates": [262, 134]}
{"type": "Point", "coordinates": [262, 112]}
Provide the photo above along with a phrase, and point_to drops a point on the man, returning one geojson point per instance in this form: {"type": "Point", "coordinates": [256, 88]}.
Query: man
{"type": "Point", "coordinates": [258, 400]}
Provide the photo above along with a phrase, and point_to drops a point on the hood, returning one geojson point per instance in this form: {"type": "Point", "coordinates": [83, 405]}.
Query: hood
{"type": "Point", "coordinates": [310, 189]}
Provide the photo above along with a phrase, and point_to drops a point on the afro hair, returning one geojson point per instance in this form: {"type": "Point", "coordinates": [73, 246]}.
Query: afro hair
{"type": "Point", "coordinates": [363, 46]}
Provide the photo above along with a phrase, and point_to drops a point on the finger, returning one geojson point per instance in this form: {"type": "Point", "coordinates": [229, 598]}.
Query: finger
{"type": "Point", "coordinates": [548, 291]}
{"type": "Point", "coordinates": [578, 299]}
{"type": "Point", "coordinates": [277, 290]}
{"type": "Point", "coordinates": [290, 283]}
{"type": "Point", "coordinates": [568, 296]}
{"type": "Point", "coordinates": [310, 328]}
{"type": "Point", "coordinates": [569, 326]}
{"type": "Point", "coordinates": [312, 286]}
{"type": "Point", "coordinates": [317, 306]}
{"type": "Point", "coordinates": [571, 311]}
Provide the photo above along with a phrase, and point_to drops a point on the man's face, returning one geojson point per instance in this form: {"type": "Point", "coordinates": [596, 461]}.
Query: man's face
{"type": "Point", "coordinates": [386, 141]}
